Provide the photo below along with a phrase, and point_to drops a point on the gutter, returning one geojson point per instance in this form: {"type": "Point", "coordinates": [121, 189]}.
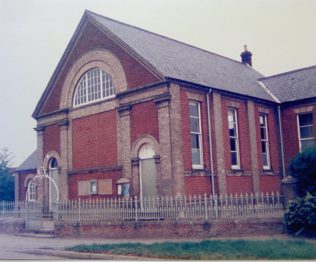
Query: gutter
{"type": "Point", "coordinates": [210, 139]}
{"type": "Point", "coordinates": [281, 140]}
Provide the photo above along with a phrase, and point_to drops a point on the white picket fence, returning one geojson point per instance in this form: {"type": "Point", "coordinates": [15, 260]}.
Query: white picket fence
{"type": "Point", "coordinates": [20, 209]}
{"type": "Point", "coordinates": [155, 208]}
{"type": "Point", "coordinates": [171, 208]}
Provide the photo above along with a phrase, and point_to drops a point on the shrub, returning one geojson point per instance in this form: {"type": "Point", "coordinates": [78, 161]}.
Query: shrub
{"type": "Point", "coordinates": [300, 215]}
{"type": "Point", "coordinates": [303, 168]}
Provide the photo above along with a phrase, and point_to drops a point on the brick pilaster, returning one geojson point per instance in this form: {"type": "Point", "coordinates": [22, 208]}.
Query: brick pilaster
{"type": "Point", "coordinates": [40, 158]}
{"type": "Point", "coordinates": [63, 177]}
{"type": "Point", "coordinates": [124, 139]}
{"type": "Point", "coordinates": [219, 141]}
{"type": "Point", "coordinates": [253, 146]}
{"type": "Point", "coordinates": [163, 106]}
{"type": "Point", "coordinates": [176, 140]}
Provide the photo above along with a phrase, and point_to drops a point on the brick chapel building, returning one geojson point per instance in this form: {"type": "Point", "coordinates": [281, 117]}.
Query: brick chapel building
{"type": "Point", "coordinates": [132, 112]}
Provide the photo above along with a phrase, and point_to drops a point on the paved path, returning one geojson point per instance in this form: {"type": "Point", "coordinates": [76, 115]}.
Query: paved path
{"type": "Point", "coordinates": [16, 247]}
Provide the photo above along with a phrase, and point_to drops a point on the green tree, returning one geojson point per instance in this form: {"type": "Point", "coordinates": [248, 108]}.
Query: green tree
{"type": "Point", "coordinates": [6, 178]}
{"type": "Point", "coordinates": [303, 168]}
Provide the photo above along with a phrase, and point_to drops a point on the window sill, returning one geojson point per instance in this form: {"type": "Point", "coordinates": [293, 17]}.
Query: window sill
{"type": "Point", "coordinates": [238, 172]}
{"type": "Point", "coordinates": [197, 172]}
{"type": "Point", "coordinates": [268, 172]}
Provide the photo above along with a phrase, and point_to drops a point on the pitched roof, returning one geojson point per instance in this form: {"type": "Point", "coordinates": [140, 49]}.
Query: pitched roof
{"type": "Point", "coordinates": [29, 163]}
{"type": "Point", "coordinates": [171, 59]}
{"type": "Point", "coordinates": [293, 85]}
{"type": "Point", "coordinates": [181, 61]}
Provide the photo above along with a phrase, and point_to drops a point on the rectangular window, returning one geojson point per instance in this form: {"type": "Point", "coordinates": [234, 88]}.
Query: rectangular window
{"type": "Point", "coordinates": [305, 130]}
{"type": "Point", "coordinates": [196, 134]}
{"type": "Point", "coordinates": [233, 138]}
{"type": "Point", "coordinates": [264, 136]}
{"type": "Point", "coordinates": [93, 187]}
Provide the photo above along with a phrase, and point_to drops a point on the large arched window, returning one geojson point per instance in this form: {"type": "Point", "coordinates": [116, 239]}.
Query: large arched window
{"type": "Point", "coordinates": [93, 86]}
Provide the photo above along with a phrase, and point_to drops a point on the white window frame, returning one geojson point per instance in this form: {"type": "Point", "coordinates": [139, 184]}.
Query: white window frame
{"type": "Point", "coordinates": [92, 89]}
{"type": "Point", "coordinates": [236, 138]}
{"type": "Point", "coordinates": [31, 190]}
{"type": "Point", "coordinates": [198, 104]}
{"type": "Point", "coordinates": [266, 140]}
{"type": "Point", "coordinates": [96, 187]}
{"type": "Point", "coordinates": [299, 129]}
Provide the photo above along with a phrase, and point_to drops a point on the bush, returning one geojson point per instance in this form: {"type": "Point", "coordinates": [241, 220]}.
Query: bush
{"type": "Point", "coordinates": [303, 168]}
{"type": "Point", "coordinates": [300, 216]}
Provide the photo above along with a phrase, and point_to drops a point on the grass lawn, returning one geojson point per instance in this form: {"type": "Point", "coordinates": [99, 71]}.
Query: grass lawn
{"type": "Point", "coordinates": [210, 249]}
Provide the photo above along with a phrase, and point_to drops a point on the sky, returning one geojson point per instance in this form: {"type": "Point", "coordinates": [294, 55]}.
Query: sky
{"type": "Point", "coordinates": [34, 34]}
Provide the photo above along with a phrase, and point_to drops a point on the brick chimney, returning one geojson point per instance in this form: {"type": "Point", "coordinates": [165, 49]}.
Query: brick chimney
{"type": "Point", "coordinates": [246, 56]}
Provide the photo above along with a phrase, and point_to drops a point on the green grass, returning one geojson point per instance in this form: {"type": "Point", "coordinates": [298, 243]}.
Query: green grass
{"type": "Point", "coordinates": [210, 249]}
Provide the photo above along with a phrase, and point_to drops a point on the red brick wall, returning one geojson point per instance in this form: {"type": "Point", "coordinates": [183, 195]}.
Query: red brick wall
{"type": "Point", "coordinates": [239, 184]}
{"type": "Point", "coordinates": [186, 138]}
{"type": "Point", "coordinates": [22, 188]}
{"type": "Point", "coordinates": [290, 135]}
{"type": "Point", "coordinates": [74, 178]}
{"type": "Point", "coordinates": [92, 38]}
{"type": "Point", "coordinates": [94, 140]}
{"type": "Point", "coordinates": [270, 184]}
{"type": "Point", "coordinates": [197, 185]}
{"type": "Point", "coordinates": [51, 139]}
{"type": "Point", "coordinates": [290, 132]}
{"type": "Point", "coordinates": [144, 120]}
{"type": "Point", "coordinates": [175, 229]}
{"type": "Point", "coordinates": [274, 150]}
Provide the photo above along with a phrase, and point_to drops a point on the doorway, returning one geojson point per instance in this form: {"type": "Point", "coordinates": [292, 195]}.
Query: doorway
{"type": "Point", "coordinates": [53, 182]}
{"type": "Point", "coordinates": [147, 172]}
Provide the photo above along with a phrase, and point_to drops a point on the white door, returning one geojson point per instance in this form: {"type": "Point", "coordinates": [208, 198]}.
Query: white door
{"type": "Point", "coordinates": [148, 172]}
{"type": "Point", "coordinates": [53, 183]}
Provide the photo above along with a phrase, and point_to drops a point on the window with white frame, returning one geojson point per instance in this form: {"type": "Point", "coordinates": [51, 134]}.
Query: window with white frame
{"type": "Point", "coordinates": [31, 190]}
{"type": "Point", "coordinates": [264, 136]}
{"type": "Point", "coordinates": [93, 187]}
{"type": "Point", "coordinates": [305, 130]}
{"type": "Point", "coordinates": [93, 86]}
{"type": "Point", "coordinates": [233, 138]}
{"type": "Point", "coordinates": [196, 134]}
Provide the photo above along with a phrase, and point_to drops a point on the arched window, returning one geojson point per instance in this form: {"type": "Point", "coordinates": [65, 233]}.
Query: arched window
{"type": "Point", "coordinates": [53, 164]}
{"type": "Point", "coordinates": [31, 190]}
{"type": "Point", "coordinates": [93, 86]}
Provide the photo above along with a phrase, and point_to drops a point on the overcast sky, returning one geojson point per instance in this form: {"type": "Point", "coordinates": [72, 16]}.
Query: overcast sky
{"type": "Point", "coordinates": [34, 34]}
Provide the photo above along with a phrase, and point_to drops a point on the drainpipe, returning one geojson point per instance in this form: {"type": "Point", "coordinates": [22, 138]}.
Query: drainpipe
{"type": "Point", "coordinates": [210, 139]}
{"type": "Point", "coordinates": [281, 138]}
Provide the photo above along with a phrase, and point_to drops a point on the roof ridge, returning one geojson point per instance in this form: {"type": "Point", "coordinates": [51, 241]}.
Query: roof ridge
{"type": "Point", "coordinates": [288, 72]}
{"type": "Point", "coordinates": [166, 37]}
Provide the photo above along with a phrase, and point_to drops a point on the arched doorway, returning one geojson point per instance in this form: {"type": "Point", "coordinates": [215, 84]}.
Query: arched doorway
{"type": "Point", "coordinates": [53, 175]}
{"type": "Point", "coordinates": [147, 171]}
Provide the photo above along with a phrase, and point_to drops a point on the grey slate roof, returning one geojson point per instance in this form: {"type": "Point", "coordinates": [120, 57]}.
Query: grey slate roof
{"type": "Point", "coordinates": [29, 163]}
{"type": "Point", "coordinates": [294, 85]}
{"type": "Point", "coordinates": [181, 61]}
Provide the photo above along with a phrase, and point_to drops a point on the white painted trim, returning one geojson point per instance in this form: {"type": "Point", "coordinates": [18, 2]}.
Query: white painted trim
{"type": "Point", "coordinates": [267, 141]}
{"type": "Point", "coordinates": [200, 134]}
{"type": "Point", "coordinates": [299, 130]}
{"type": "Point", "coordinates": [236, 138]}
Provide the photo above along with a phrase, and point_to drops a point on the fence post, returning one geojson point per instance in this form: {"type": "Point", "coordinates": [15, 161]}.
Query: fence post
{"type": "Point", "coordinates": [205, 206]}
{"type": "Point", "coordinates": [2, 209]}
{"type": "Point", "coordinates": [135, 200]}
{"type": "Point", "coordinates": [216, 206]}
{"type": "Point", "coordinates": [79, 210]}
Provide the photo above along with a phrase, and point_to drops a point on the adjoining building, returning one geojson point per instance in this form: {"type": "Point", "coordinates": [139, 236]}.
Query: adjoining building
{"type": "Point", "coordinates": [130, 112]}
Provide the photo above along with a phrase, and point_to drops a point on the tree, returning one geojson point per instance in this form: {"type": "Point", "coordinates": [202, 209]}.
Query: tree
{"type": "Point", "coordinates": [6, 178]}
{"type": "Point", "coordinates": [303, 168]}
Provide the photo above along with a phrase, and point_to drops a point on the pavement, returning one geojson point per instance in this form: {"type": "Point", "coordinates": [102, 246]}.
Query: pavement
{"type": "Point", "coordinates": [28, 247]}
